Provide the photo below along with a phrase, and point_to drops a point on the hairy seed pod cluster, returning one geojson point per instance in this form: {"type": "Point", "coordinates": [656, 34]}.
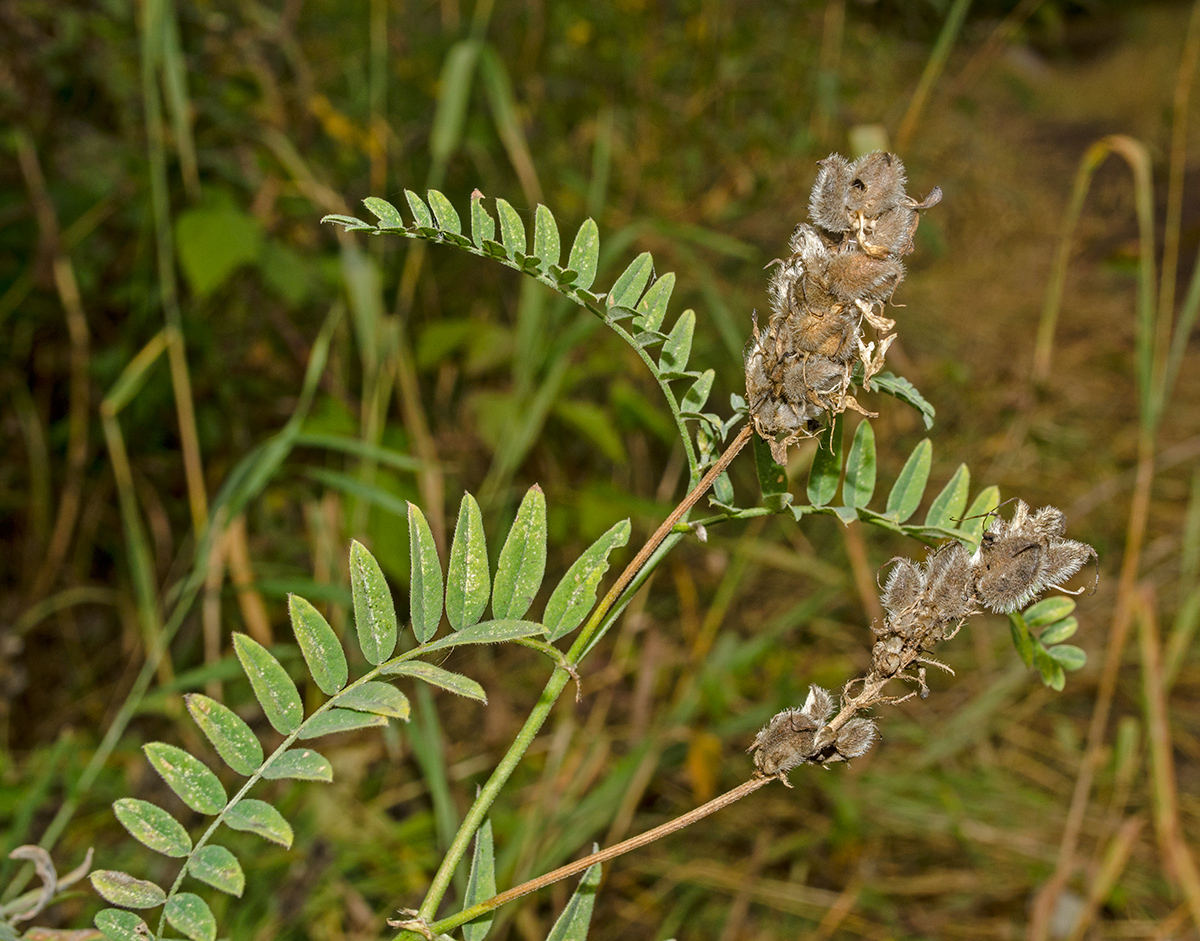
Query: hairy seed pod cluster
{"type": "Point", "coordinates": [842, 271]}
{"type": "Point", "coordinates": [802, 736]}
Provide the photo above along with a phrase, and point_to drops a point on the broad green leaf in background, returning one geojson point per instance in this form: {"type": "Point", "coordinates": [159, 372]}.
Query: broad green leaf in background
{"type": "Point", "coordinates": [826, 469]}
{"type": "Point", "coordinates": [381, 699]}
{"type": "Point", "coordinates": [153, 827]}
{"type": "Point", "coordinates": [454, 682]}
{"type": "Point", "coordinates": [860, 467]}
{"type": "Point", "coordinates": [188, 777]}
{"type": "Point", "coordinates": [233, 739]}
{"type": "Point", "coordinates": [322, 650]}
{"type": "Point", "coordinates": [576, 593]}
{"type": "Point", "coordinates": [303, 764]}
{"type": "Point", "coordinates": [374, 612]}
{"type": "Point", "coordinates": [573, 923]}
{"type": "Point", "coordinates": [481, 884]}
{"type": "Point", "coordinates": [216, 866]}
{"type": "Point", "coordinates": [425, 583]}
{"type": "Point", "coordinates": [272, 686]}
{"type": "Point", "coordinates": [120, 888]}
{"type": "Point", "coordinates": [213, 243]}
{"type": "Point", "coordinates": [189, 913]}
{"type": "Point", "coordinates": [906, 493]}
{"type": "Point", "coordinates": [468, 578]}
{"type": "Point", "coordinates": [947, 507]}
{"type": "Point", "coordinates": [254, 816]}
{"type": "Point", "coordinates": [522, 562]}
{"type": "Point", "coordinates": [585, 253]}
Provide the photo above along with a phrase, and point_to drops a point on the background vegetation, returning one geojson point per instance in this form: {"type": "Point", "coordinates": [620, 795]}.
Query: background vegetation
{"type": "Point", "coordinates": [164, 284]}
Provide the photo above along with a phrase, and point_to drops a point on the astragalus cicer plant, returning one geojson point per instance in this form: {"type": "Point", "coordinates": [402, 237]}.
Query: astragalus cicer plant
{"type": "Point", "coordinates": [822, 347]}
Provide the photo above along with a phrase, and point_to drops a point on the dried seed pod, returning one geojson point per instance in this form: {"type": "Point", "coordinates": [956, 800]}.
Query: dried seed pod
{"type": "Point", "coordinates": [1020, 558]}
{"type": "Point", "coordinates": [877, 185]}
{"type": "Point", "coordinates": [785, 742]}
{"type": "Point", "coordinates": [854, 275]}
{"type": "Point", "coordinates": [903, 587]}
{"type": "Point", "coordinates": [827, 206]}
{"type": "Point", "coordinates": [856, 737]}
{"type": "Point", "coordinates": [948, 585]}
{"type": "Point", "coordinates": [818, 705]}
{"type": "Point", "coordinates": [886, 655]}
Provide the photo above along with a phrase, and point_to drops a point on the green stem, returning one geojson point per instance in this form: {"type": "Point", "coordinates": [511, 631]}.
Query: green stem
{"type": "Point", "coordinates": [558, 681]}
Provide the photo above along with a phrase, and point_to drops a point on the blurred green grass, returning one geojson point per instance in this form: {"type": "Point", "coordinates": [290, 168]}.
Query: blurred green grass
{"type": "Point", "coordinates": [689, 132]}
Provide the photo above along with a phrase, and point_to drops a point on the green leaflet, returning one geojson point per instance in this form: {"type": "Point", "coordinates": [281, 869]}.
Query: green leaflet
{"type": "Point", "coordinates": [977, 513]}
{"type": "Point", "coordinates": [652, 308]}
{"type": "Point", "coordinates": [585, 254]}
{"type": "Point", "coordinates": [444, 213]}
{"type": "Point", "coordinates": [1068, 656]}
{"type": "Point", "coordinates": [454, 682]}
{"type": "Point", "coordinates": [573, 923]}
{"type": "Point", "coordinates": [303, 764]}
{"type": "Point", "coordinates": [188, 777]}
{"type": "Point", "coordinates": [153, 827]}
{"type": "Point", "coordinates": [826, 469]}
{"type": "Point", "coordinates": [419, 210]}
{"type": "Point", "coordinates": [381, 699]}
{"type": "Point", "coordinates": [860, 467]}
{"type": "Point", "coordinates": [487, 632]}
{"type": "Point", "coordinates": [120, 888]}
{"type": "Point", "coordinates": [233, 739]}
{"type": "Point", "coordinates": [333, 721]}
{"type": "Point", "coordinates": [468, 583]}
{"type": "Point", "coordinates": [387, 214]}
{"type": "Point", "coordinates": [322, 651]}
{"type": "Point", "coordinates": [1049, 610]}
{"type": "Point", "coordinates": [190, 914]}
{"type": "Point", "coordinates": [905, 391]}
{"type": "Point", "coordinates": [947, 507]}
{"type": "Point", "coordinates": [633, 280]}
{"type": "Point", "coordinates": [425, 584]}
{"type": "Point", "coordinates": [254, 816]}
{"type": "Point", "coordinates": [512, 231]}
{"type": "Point", "coordinates": [481, 884]}
{"type": "Point", "coordinates": [906, 493]}
{"type": "Point", "coordinates": [678, 346]}
{"type": "Point", "coordinates": [121, 926]}
{"type": "Point", "coordinates": [522, 562]}
{"type": "Point", "coordinates": [576, 592]}
{"type": "Point", "coordinates": [545, 239]}
{"type": "Point", "coordinates": [273, 688]}
{"type": "Point", "coordinates": [374, 613]}
{"type": "Point", "coordinates": [697, 395]}
{"type": "Point", "coordinates": [483, 226]}
{"type": "Point", "coordinates": [216, 866]}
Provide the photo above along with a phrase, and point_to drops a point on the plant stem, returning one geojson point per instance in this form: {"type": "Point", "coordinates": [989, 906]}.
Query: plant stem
{"type": "Point", "coordinates": [557, 683]}
{"type": "Point", "coordinates": [619, 849]}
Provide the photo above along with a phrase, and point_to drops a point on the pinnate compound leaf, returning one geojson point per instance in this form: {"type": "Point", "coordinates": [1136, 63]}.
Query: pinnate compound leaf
{"type": "Point", "coordinates": [455, 682]}
{"type": "Point", "coordinates": [948, 506]}
{"type": "Point", "coordinates": [1068, 656]}
{"type": "Point", "coordinates": [419, 210]}
{"type": "Point", "coordinates": [652, 308]}
{"type": "Point", "coordinates": [333, 721]}
{"type": "Point", "coordinates": [906, 493]}
{"type": "Point", "coordinates": [272, 686]}
{"type": "Point", "coordinates": [254, 816]}
{"type": "Point", "coordinates": [153, 827]}
{"type": "Point", "coordinates": [387, 214]}
{"type": "Point", "coordinates": [425, 584]}
{"type": "Point", "coordinates": [233, 739]}
{"type": "Point", "coordinates": [468, 582]}
{"type": "Point", "coordinates": [303, 764]}
{"type": "Point", "coordinates": [444, 212]}
{"type": "Point", "coordinates": [1059, 631]}
{"type": "Point", "coordinates": [522, 562]}
{"type": "Point", "coordinates": [585, 253]}
{"type": "Point", "coordinates": [487, 632]}
{"type": "Point", "coordinates": [633, 280]}
{"type": "Point", "coordinates": [512, 230]}
{"type": "Point", "coordinates": [483, 226]}
{"type": "Point", "coordinates": [189, 913]}
{"type": "Point", "coordinates": [118, 925]}
{"type": "Point", "coordinates": [374, 612]}
{"type": "Point", "coordinates": [381, 699]}
{"type": "Point", "coordinates": [120, 888]}
{"type": "Point", "coordinates": [1049, 610]}
{"type": "Point", "coordinates": [216, 866]}
{"type": "Point", "coordinates": [678, 345]}
{"type": "Point", "coordinates": [188, 777]}
{"type": "Point", "coordinates": [576, 593]}
{"type": "Point", "coordinates": [860, 467]}
{"type": "Point", "coordinates": [319, 644]}
{"type": "Point", "coordinates": [573, 923]}
{"type": "Point", "coordinates": [481, 884]}
{"type": "Point", "coordinates": [976, 517]}
{"type": "Point", "coordinates": [545, 239]}
{"type": "Point", "coordinates": [826, 469]}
